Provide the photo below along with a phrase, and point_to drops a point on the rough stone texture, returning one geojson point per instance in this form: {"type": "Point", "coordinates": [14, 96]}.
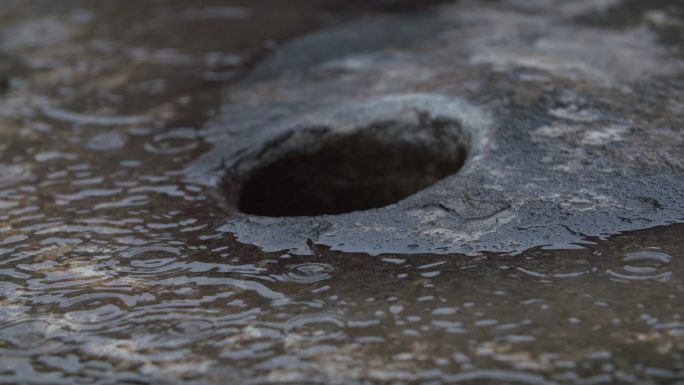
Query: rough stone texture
{"type": "Point", "coordinates": [575, 119]}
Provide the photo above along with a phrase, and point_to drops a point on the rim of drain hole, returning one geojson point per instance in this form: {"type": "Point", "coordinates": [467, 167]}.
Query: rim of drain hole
{"type": "Point", "coordinates": [323, 171]}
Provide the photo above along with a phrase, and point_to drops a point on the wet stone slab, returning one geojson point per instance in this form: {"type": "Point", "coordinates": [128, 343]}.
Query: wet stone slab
{"type": "Point", "coordinates": [571, 125]}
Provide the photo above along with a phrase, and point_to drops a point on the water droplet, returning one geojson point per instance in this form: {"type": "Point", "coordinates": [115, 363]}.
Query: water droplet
{"type": "Point", "coordinates": [173, 142]}
{"type": "Point", "coordinates": [307, 273]}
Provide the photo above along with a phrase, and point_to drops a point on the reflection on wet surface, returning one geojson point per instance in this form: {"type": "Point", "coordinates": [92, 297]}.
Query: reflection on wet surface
{"type": "Point", "coordinates": [112, 270]}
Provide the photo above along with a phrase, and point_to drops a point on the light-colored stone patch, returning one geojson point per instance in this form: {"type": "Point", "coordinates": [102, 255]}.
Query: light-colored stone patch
{"type": "Point", "coordinates": [660, 18]}
{"type": "Point", "coordinates": [575, 114]}
{"type": "Point", "coordinates": [604, 136]}
{"type": "Point", "coordinates": [428, 215]}
{"type": "Point", "coordinates": [508, 40]}
{"type": "Point", "coordinates": [570, 8]}
{"type": "Point", "coordinates": [555, 131]}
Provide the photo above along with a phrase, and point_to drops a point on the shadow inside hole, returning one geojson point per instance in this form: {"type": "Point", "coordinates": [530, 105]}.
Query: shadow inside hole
{"type": "Point", "coordinates": [370, 168]}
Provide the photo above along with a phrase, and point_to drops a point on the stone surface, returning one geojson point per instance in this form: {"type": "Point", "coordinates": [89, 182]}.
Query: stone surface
{"type": "Point", "coordinates": [574, 117]}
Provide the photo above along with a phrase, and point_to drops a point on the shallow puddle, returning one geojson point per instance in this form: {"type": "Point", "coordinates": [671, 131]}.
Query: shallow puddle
{"type": "Point", "coordinates": [114, 270]}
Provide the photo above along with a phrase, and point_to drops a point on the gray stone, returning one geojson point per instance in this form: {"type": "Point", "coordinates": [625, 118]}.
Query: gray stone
{"type": "Point", "coordinates": [573, 126]}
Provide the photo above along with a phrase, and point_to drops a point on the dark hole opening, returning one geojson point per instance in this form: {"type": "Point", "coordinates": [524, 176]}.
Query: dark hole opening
{"type": "Point", "coordinates": [368, 169]}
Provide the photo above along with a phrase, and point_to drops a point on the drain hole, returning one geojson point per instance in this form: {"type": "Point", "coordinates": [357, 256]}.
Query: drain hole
{"type": "Point", "coordinates": [369, 168]}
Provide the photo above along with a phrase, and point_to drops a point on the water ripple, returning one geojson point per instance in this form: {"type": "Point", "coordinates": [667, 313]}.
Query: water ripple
{"type": "Point", "coordinates": [30, 336]}
{"type": "Point", "coordinates": [307, 273]}
{"type": "Point", "coordinates": [174, 141]}
{"type": "Point", "coordinates": [644, 265]}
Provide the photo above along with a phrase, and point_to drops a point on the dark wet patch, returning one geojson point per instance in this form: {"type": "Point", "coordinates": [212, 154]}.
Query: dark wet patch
{"type": "Point", "coordinates": [371, 168]}
{"type": "Point", "coordinates": [10, 69]}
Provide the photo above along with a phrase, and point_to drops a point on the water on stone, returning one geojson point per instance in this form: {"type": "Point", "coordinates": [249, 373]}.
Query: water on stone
{"type": "Point", "coordinates": [113, 270]}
